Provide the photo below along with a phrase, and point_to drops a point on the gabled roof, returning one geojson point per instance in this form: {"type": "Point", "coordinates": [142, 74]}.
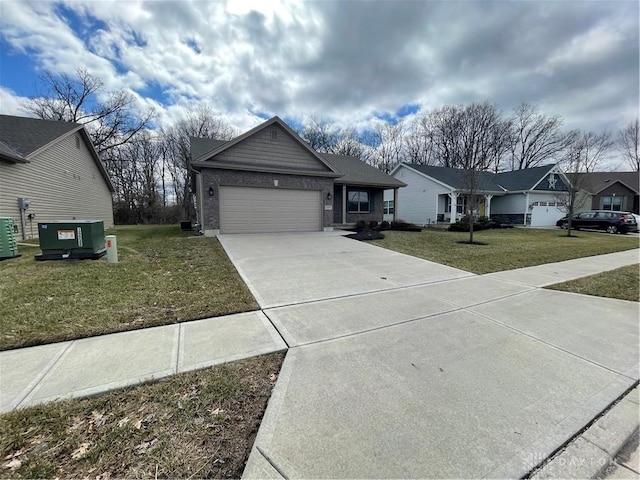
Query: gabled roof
{"type": "Point", "coordinates": [357, 172]}
{"type": "Point", "coordinates": [525, 179]}
{"type": "Point", "coordinates": [24, 136]}
{"type": "Point", "coordinates": [201, 146]}
{"type": "Point", "coordinates": [455, 178]}
{"type": "Point", "coordinates": [518, 180]}
{"type": "Point", "coordinates": [595, 182]}
{"type": "Point", "coordinates": [274, 120]}
{"type": "Point", "coordinates": [21, 138]}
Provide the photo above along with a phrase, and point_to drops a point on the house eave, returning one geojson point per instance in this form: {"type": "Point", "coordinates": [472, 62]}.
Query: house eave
{"type": "Point", "coordinates": [370, 184]}
{"type": "Point", "coordinates": [262, 126]}
{"type": "Point", "coordinates": [252, 168]}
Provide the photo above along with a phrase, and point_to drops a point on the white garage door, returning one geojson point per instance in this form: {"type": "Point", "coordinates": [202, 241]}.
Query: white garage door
{"type": "Point", "coordinates": [257, 210]}
{"type": "Point", "coordinates": [545, 215]}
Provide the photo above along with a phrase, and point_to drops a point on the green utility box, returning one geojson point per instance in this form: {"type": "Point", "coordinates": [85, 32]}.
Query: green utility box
{"type": "Point", "coordinates": [8, 245]}
{"type": "Point", "coordinates": [77, 239]}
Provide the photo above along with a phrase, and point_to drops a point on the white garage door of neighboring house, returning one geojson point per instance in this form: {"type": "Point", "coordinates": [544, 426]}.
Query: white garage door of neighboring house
{"type": "Point", "coordinates": [262, 210]}
{"type": "Point", "coordinates": [545, 215]}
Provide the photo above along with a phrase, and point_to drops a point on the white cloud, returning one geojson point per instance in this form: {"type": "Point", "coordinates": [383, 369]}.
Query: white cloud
{"type": "Point", "coordinates": [343, 60]}
{"type": "Point", "coordinates": [11, 104]}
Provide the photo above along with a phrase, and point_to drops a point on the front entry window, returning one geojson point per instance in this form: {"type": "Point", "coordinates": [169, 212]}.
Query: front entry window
{"type": "Point", "coordinates": [612, 203]}
{"type": "Point", "coordinates": [358, 202]}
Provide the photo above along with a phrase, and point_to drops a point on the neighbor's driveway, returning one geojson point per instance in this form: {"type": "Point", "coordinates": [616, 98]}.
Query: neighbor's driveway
{"type": "Point", "coordinates": [405, 368]}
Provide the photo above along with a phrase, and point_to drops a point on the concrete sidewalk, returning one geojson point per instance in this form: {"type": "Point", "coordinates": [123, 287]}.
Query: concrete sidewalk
{"type": "Point", "coordinates": [550, 273]}
{"type": "Point", "coordinates": [399, 367]}
{"type": "Point", "coordinates": [97, 364]}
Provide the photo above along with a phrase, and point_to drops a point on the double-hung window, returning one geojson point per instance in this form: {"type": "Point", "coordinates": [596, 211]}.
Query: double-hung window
{"type": "Point", "coordinates": [358, 201]}
{"type": "Point", "coordinates": [612, 203]}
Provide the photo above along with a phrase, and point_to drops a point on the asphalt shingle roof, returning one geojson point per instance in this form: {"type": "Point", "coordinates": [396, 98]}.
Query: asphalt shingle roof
{"type": "Point", "coordinates": [492, 182]}
{"type": "Point", "coordinates": [357, 172]}
{"type": "Point", "coordinates": [598, 181]}
{"type": "Point", "coordinates": [455, 177]}
{"type": "Point", "coordinates": [200, 146]}
{"type": "Point", "coordinates": [21, 136]}
{"type": "Point", "coordinates": [354, 170]}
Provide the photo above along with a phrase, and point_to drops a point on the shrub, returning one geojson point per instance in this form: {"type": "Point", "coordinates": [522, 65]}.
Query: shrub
{"type": "Point", "coordinates": [360, 225]}
{"type": "Point", "coordinates": [373, 224]}
{"type": "Point", "coordinates": [385, 225]}
{"type": "Point", "coordinates": [405, 227]}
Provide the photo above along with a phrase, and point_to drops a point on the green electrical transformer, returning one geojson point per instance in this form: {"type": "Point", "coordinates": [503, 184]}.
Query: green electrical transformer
{"type": "Point", "coordinates": [8, 245]}
{"type": "Point", "coordinates": [68, 240]}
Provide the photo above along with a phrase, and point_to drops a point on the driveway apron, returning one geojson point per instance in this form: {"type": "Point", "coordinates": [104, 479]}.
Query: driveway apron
{"type": "Point", "coordinates": [403, 368]}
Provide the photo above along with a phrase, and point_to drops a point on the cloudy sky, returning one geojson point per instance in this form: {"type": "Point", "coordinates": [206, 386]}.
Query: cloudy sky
{"type": "Point", "coordinates": [349, 61]}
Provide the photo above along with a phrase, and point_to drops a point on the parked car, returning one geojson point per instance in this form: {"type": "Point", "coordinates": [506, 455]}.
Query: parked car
{"type": "Point", "coordinates": [611, 222]}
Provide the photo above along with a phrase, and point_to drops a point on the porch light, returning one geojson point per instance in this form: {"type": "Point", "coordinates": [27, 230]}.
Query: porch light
{"type": "Point", "coordinates": [211, 191]}
{"type": "Point", "coordinates": [329, 195]}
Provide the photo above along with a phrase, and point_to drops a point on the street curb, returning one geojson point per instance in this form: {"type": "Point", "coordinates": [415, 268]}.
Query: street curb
{"type": "Point", "coordinates": [592, 453]}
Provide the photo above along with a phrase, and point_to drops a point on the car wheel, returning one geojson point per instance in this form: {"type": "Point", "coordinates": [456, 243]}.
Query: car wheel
{"type": "Point", "coordinates": [612, 229]}
{"type": "Point", "coordinates": [564, 225]}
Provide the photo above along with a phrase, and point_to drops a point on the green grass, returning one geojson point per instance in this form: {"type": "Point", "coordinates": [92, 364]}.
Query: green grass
{"type": "Point", "coordinates": [622, 283]}
{"type": "Point", "coordinates": [192, 425]}
{"type": "Point", "coordinates": [506, 249]}
{"type": "Point", "coordinates": [163, 276]}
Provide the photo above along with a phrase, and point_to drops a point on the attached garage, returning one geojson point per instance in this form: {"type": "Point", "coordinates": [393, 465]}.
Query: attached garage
{"type": "Point", "coordinates": [545, 214]}
{"type": "Point", "coordinates": [264, 210]}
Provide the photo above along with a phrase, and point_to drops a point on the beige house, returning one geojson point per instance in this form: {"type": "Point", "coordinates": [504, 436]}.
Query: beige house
{"type": "Point", "coordinates": [49, 171]}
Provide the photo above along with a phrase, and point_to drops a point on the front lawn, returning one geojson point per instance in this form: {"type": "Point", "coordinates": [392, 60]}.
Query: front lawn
{"type": "Point", "coordinates": [191, 425]}
{"type": "Point", "coordinates": [622, 283]}
{"type": "Point", "coordinates": [164, 276]}
{"type": "Point", "coordinates": [505, 250]}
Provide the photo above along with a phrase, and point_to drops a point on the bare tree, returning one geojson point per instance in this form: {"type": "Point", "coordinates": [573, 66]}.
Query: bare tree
{"type": "Point", "coordinates": [387, 148]}
{"type": "Point", "coordinates": [418, 141]}
{"type": "Point", "coordinates": [135, 170]}
{"type": "Point", "coordinates": [594, 147]}
{"type": "Point", "coordinates": [110, 117]}
{"type": "Point", "coordinates": [629, 144]}
{"type": "Point", "coordinates": [472, 138]}
{"type": "Point", "coordinates": [576, 195]}
{"type": "Point", "coordinates": [536, 138]}
{"type": "Point", "coordinates": [200, 122]}
{"type": "Point", "coordinates": [582, 155]}
{"type": "Point", "coordinates": [320, 134]}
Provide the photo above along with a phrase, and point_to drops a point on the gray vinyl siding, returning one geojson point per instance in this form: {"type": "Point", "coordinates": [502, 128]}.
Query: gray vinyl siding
{"type": "Point", "coordinates": [418, 201]}
{"type": "Point", "coordinates": [62, 182]}
{"type": "Point", "coordinates": [260, 151]}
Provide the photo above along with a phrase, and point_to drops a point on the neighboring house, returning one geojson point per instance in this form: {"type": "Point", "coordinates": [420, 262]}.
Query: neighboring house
{"type": "Point", "coordinates": [532, 196]}
{"type": "Point", "coordinates": [616, 191]}
{"type": "Point", "coordinates": [53, 170]}
{"type": "Point", "coordinates": [269, 180]}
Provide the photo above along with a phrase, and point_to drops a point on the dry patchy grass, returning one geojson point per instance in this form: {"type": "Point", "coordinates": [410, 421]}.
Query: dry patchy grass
{"type": "Point", "coordinates": [505, 249]}
{"type": "Point", "coordinates": [622, 283]}
{"type": "Point", "coordinates": [192, 425]}
{"type": "Point", "coordinates": [163, 276]}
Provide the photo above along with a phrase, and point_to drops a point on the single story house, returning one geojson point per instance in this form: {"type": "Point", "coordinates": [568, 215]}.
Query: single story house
{"type": "Point", "coordinates": [616, 191]}
{"type": "Point", "coordinates": [270, 180]}
{"type": "Point", "coordinates": [532, 196]}
{"type": "Point", "coordinates": [49, 170]}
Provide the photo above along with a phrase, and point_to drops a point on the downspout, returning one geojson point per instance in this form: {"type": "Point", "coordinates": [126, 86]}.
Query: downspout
{"type": "Point", "coordinates": [395, 204]}
{"type": "Point", "coordinates": [526, 208]}
{"type": "Point", "coordinates": [344, 204]}
{"type": "Point", "coordinates": [200, 199]}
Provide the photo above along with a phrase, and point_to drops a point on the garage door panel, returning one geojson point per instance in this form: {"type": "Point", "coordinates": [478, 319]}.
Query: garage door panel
{"type": "Point", "coordinates": [255, 210]}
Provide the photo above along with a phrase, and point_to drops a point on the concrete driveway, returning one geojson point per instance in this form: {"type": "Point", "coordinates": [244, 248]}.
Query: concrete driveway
{"type": "Point", "coordinates": [402, 368]}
